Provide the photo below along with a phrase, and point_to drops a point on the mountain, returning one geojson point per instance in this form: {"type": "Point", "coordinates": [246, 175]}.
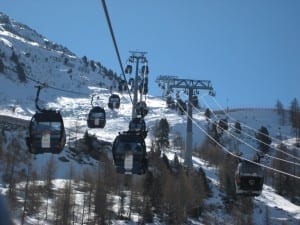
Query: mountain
{"type": "Point", "coordinates": [29, 59]}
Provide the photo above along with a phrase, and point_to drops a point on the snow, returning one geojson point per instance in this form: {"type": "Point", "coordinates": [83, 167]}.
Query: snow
{"type": "Point", "coordinates": [6, 42]}
{"type": "Point", "coordinates": [279, 204]}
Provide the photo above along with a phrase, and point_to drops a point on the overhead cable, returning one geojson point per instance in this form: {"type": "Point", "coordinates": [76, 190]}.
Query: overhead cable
{"type": "Point", "coordinates": [257, 150]}
{"type": "Point", "coordinates": [245, 125]}
{"type": "Point", "coordinates": [237, 156]}
{"type": "Point", "coordinates": [254, 138]}
{"type": "Point", "coordinates": [115, 45]}
{"type": "Point", "coordinates": [55, 88]}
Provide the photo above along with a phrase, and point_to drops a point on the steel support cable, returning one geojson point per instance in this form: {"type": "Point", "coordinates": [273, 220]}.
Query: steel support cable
{"type": "Point", "coordinates": [257, 150]}
{"type": "Point", "coordinates": [254, 138]}
{"type": "Point", "coordinates": [236, 156]}
{"type": "Point", "coordinates": [115, 45]}
{"type": "Point", "coordinates": [143, 87]}
{"type": "Point", "coordinates": [260, 141]}
{"type": "Point", "coordinates": [245, 125]}
{"type": "Point", "coordinates": [55, 88]}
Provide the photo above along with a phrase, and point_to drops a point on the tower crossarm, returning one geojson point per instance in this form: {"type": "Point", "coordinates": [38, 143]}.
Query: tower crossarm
{"type": "Point", "coordinates": [190, 84]}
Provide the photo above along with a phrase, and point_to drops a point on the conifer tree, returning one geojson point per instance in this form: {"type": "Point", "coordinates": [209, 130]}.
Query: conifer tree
{"type": "Point", "coordinates": [238, 128]}
{"type": "Point", "coordinates": [281, 112]}
{"type": "Point", "coordinates": [161, 133]}
{"type": "Point", "coordinates": [285, 185]}
{"type": "Point", "coordinates": [207, 113]}
{"type": "Point", "coordinates": [1, 66]}
{"type": "Point", "coordinates": [19, 67]}
{"type": "Point", "coordinates": [263, 138]}
{"type": "Point", "coordinates": [226, 176]}
{"type": "Point", "coordinates": [295, 118]}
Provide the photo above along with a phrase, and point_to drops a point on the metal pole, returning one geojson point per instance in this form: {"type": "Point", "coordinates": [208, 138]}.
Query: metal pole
{"type": "Point", "coordinates": [189, 132]}
{"type": "Point", "coordinates": [135, 88]}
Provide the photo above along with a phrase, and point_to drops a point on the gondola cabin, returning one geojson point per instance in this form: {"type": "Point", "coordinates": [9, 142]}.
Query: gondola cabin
{"type": "Point", "coordinates": [129, 153]}
{"type": "Point", "coordinates": [170, 102]}
{"type": "Point", "coordinates": [195, 101]}
{"type": "Point", "coordinates": [222, 125]}
{"type": "Point", "coordinates": [46, 133]}
{"type": "Point", "coordinates": [181, 106]}
{"type": "Point", "coordinates": [128, 69]}
{"type": "Point", "coordinates": [143, 87]}
{"type": "Point", "coordinates": [114, 101]}
{"type": "Point", "coordinates": [122, 85]}
{"type": "Point", "coordinates": [249, 179]}
{"type": "Point", "coordinates": [131, 83]}
{"type": "Point", "coordinates": [145, 70]}
{"type": "Point", "coordinates": [96, 117]}
{"type": "Point", "coordinates": [141, 109]}
{"type": "Point", "coordinates": [138, 124]}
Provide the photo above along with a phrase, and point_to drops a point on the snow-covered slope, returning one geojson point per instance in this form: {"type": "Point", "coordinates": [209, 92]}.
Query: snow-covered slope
{"type": "Point", "coordinates": [71, 82]}
{"type": "Point", "coordinates": [29, 59]}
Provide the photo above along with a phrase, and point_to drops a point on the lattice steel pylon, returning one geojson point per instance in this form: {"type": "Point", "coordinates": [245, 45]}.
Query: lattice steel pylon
{"type": "Point", "coordinates": [189, 86]}
{"type": "Point", "coordinates": [136, 57]}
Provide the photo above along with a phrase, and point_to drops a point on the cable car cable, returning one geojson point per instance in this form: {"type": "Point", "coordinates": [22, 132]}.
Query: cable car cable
{"type": "Point", "coordinates": [237, 156]}
{"type": "Point", "coordinates": [255, 149]}
{"type": "Point", "coordinates": [55, 88]}
{"type": "Point", "coordinates": [115, 44]}
{"type": "Point", "coordinates": [260, 141]}
{"type": "Point", "coordinates": [250, 128]}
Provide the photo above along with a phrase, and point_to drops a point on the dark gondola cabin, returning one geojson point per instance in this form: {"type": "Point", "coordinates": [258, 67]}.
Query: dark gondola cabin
{"type": "Point", "coordinates": [145, 70]}
{"type": "Point", "coordinates": [96, 117]}
{"type": "Point", "coordinates": [128, 69]}
{"type": "Point", "coordinates": [249, 179]}
{"type": "Point", "coordinates": [170, 102]}
{"type": "Point", "coordinates": [122, 85]}
{"type": "Point", "coordinates": [129, 153]}
{"type": "Point", "coordinates": [181, 106]}
{"type": "Point", "coordinates": [138, 124]}
{"type": "Point", "coordinates": [195, 101]}
{"type": "Point", "coordinates": [114, 101]}
{"type": "Point", "coordinates": [143, 87]}
{"type": "Point", "coordinates": [131, 81]}
{"type": "Point", "coordinates": [222, 126]}
{"type": "Point", "coordinates": [46, 133]}
{"type": "Point", "coordinates": [141, 109]}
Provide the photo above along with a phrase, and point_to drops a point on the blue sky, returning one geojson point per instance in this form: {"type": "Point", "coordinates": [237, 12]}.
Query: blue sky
{"type": "Point", "coordinates": [250, 50]}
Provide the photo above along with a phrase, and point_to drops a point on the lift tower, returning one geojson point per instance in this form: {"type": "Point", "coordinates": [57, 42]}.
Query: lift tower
{"type": "Point", "coordinates": [190, 86]}
{"type": "Point", "coordinates": [137, 57]}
